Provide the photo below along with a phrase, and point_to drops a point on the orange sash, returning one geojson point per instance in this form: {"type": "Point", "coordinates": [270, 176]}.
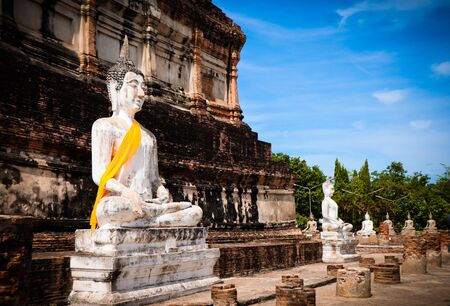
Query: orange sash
{"type": "Point", "coordinates": [127, 149]}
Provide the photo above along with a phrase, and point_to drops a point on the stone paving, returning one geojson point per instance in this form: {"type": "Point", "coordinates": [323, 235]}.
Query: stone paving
{"type": "Point", "coordinates": [432, 288]}
{"type": "Point", "coordinates": [261, 286]}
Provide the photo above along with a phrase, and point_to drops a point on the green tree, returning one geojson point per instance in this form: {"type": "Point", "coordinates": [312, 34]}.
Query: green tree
{"type": "Point", "coordinates": [308, 177]}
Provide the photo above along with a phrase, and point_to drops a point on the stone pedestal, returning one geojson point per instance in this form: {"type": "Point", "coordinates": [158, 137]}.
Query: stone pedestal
{"type": "Point", "coordinates": [224, 295]}
{"type": "Point", "coordinates": [386, 273]}
{"type": "Point", "coordinates": [414, 255]}
{"type": "Point", "coordinates": [408, 231]}
{"type": "Point", "coordinates": [433, 243]}
{"type": "Point", "coordinates": [372, 239]}
{"type": "Point", "coordinates": [337, 249]}
{"type": "Point", "coordinates": [139, 266]}
{"type": "Point", "coordinates": [353, 282]}
{"type": "Point", "coordinates": [292, 293]}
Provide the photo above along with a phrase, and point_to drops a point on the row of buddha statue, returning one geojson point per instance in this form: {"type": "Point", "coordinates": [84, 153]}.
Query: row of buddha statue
{"type": "Point", "coordinates": [331, 222]}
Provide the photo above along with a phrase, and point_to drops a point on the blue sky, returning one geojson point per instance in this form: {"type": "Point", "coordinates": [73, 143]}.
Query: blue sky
{"type": "Point", "coordinates": [348, 80]}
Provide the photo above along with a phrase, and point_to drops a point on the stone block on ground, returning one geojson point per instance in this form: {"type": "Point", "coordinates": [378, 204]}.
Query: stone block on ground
{"type": "Point", "coordinates": [415, 255]}
{"type": "Point", "coordinates": [292, 293]}
{"type": "Point", "coordinates": [224, 295]}
{"type": "Point", "coordinates": [387, 273]}
{"type": "Point", "coordinates": [367, 262]}
{"type": "Point", "coordinates": [391, 259]}
{"type": "Point", "coordinates": [353, 283]}
{"type": "Point", "coordinates": [292, 279]}
{"type": "Point", "coordinates": [445, 246]}
{"type": "Point", "coordinates": [433, 243]}
{"type": "Point", "coordinates": [332, 270]}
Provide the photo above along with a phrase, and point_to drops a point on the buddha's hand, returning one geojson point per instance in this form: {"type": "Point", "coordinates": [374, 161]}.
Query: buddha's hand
{"type": "Point", "coordinates": [173, 207]}
{"type": "Point", "coordinates": [162, 195]}
{"type": "Point", "coordinates": [154, 201]}
{"type": "Point", "coordinates": [135, 201]}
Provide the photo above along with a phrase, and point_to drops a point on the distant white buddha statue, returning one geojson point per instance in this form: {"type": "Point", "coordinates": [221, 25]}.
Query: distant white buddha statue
{"type": "Point", "coordinates": [330, 220]}
{"type": "Point", "coordinates": [408, 228]}
{"type": "Point", "coordinates": [311, 226]}
{"type": "Point", "coordinates": [390, 225]}
{"type": "Point", "coordinates": [367, 227]}
{"type": "Point", "coordinates": [431, 225]}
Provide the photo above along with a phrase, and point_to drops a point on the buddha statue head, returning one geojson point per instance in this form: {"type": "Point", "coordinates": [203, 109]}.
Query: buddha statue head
{"type": "Point", "coordinates": [328, 188]}
{"type": "Point", "coordinates": [430, 216]}
{"type": "Point", "coordinates": [366, 216]}
{"type": "Point", "coordinates": [125, 83]}
{"type": "Point", "coordinates": [387, 216]}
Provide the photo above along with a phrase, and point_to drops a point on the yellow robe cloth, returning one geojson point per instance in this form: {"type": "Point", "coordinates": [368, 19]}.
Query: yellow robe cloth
{"type": "Point", "coordinates": [127, 149]}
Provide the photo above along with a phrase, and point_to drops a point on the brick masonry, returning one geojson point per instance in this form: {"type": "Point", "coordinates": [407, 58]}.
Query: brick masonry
{"type": "Point", "coordinates": [16, 234]}
{"type": "Point", "coordinates": [51, 281]}
{"type": "Point", "coordinates": [387, 273]}
{"type": "Point", "coordinates": [246, 259]}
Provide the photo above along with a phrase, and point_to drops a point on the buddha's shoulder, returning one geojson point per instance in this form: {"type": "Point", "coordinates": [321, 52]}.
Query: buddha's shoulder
{"type": "Point", "coordinates": [104, 124]}
{"type": "Point", "coordinates": [147, 136]}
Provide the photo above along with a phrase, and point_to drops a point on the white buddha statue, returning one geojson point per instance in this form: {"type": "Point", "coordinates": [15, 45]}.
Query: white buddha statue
{"type": "Point", "coordinates": [431, 224]}
{"type": "Point", "coordinates": [390, 225]}
{"type": "Point", "coordinates": [408, 228]}
{"type": "Point", "coordinates": [367, 227]}
{"type": "Point", "coordinates": [130, 189]}
{"type": "Point", "coordinates": [311, 226]}
{"type": "Point", "coordinates": [330, 221]}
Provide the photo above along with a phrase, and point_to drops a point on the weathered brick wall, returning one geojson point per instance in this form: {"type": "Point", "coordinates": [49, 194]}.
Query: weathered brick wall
{"type": "Point", "coordinates": [245, 259]}
{"type": "Point", "coordinates": [365, 249]}
{"type": "Point", "coordinates": [45, 150]}
{"type": "Point", "coordinates": [16, 234]}
{"type": "Point", "coordinates": [53, 242]}
{"type": "Point", "coordinates": [51, 281]}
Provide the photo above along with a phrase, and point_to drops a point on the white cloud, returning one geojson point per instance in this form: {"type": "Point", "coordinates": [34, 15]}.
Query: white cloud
{"type": "Point", "coordinates": [377, 5]}
{"type": "Point", "coordinates": [441, 69]}
{"type": "Point", "coordinates": [390, 97]}
{"type": "Point", "coordinates": [348, 12]}
{"type": "Point", "coordinates": [420, 124]}
{"type": "Point", "coordinates": [277, 32]}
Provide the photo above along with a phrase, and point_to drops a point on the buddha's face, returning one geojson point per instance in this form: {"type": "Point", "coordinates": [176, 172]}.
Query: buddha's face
{"type": "Point", "coordinates": [329, 190]}
{"type": "Point", "coordinates": [131, 96]}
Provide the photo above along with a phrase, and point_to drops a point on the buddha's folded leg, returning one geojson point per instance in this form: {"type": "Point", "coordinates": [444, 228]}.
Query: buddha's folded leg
{"type": "Point", "coordinates": [113, 211]}
{"type": "Point", "coordinates": [347, 227]}
{"type": "Point", "coordinates": [187, 217]}
{"type": "Point", "coordinates": [330, 227]}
